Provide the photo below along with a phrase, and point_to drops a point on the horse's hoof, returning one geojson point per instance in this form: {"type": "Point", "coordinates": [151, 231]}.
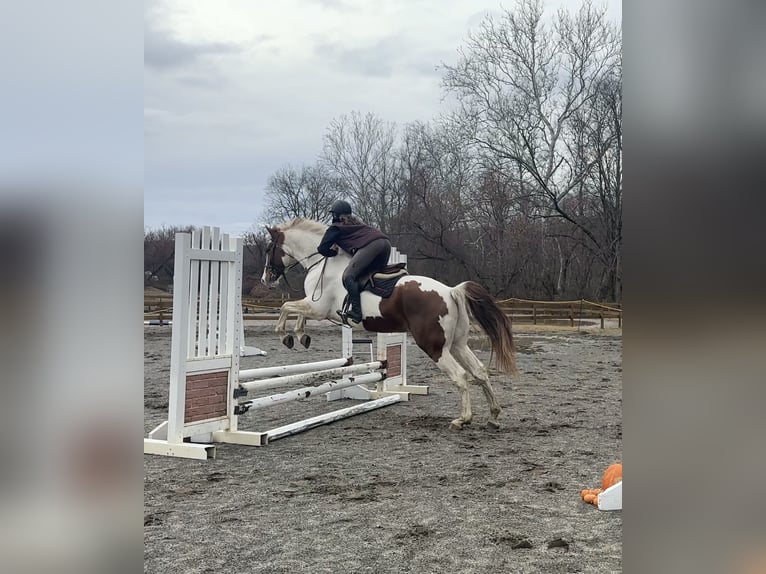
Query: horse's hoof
{"type": "Point", "coordinates": [288, 341]}
{"type": "Point", "coordinates": [457, 424]}
{"type": "Point", "coordinates": [494, 425]}
{"type": "Point", "coordinates": [305, 340]}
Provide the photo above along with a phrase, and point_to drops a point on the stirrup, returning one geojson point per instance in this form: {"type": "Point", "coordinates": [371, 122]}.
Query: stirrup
{"type": "Point", "coordinates": [344, 315]}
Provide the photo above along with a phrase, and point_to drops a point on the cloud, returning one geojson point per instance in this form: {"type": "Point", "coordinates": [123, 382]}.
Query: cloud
{"type": "Point", "coordinates": [209, 81]}
{"type": "Point", "coordinates": [162, 50]}
{"type": "Point", "coordinates": [337, 5]}
{"type": "Point", "coordinates": [386, 57]}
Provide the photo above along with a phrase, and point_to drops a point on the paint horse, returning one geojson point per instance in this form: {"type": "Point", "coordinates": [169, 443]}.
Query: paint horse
{"type": "Point", "coordinates": [437, 316]}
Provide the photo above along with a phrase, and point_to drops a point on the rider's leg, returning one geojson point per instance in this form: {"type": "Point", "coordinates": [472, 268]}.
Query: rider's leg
{"type": "Point", "coordinates": [354, 310]}
{"type": "Point", "coordinates": [367, 257]}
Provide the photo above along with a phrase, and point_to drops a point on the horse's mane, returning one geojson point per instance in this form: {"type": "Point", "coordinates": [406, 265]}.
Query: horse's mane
{"type": "Point", "coordinates": [304, 224]}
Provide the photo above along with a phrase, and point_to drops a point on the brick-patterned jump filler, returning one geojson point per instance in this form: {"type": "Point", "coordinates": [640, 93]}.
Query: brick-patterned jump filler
{"type": "Point", "coordinates": [208, 391]}
{"type": "Point", "coordinates": [206, 396]}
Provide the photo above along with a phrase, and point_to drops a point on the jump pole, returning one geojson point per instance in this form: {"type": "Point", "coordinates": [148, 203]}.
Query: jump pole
{"type": "Point", "coordinates": [263, 372]}
{"type": "Point", "coordinates": [309, 378]}
{"type": "Point", "coordinates": [304, 425]}
{"type": "Point", "coordinates": [308, 392]}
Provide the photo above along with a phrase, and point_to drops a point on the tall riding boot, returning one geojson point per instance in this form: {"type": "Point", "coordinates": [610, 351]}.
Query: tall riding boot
{"type": "Point", "coordinates": [354, 311]}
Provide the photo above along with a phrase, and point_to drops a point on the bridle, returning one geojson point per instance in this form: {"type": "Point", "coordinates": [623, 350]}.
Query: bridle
{"type": "Point", "coordinates": [277, 270]}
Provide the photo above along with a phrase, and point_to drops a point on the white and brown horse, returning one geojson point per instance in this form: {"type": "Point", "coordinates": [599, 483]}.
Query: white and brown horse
{"type": "Point", "coordinates": [435, 315]}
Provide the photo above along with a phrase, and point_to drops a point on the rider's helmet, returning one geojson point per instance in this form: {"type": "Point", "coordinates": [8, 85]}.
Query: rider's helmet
{"type": "Point", "coordinates": [340, 207]}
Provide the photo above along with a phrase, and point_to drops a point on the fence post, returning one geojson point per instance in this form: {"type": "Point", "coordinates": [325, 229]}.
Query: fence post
{"type": "Point", "coordinates": [534, 313]}
{"type": "Point", "coordinates": [571, 315]}
{"type": "Point", "coordinates": [601, 315]}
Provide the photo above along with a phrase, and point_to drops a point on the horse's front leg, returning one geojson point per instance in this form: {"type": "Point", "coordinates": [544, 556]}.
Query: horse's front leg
{"type": "Point", "coordinates": [280, 328]}
{"type": "Point", "coordinates": [300, 331]}
{"type": "Point", "coordinates": [309, 312]}
{"type": "Point", "coordinates": [304, 311]}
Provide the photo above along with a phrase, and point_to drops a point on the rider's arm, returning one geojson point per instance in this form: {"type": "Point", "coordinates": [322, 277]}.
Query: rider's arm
{"type": "Point", "coordinates": [328, 242]}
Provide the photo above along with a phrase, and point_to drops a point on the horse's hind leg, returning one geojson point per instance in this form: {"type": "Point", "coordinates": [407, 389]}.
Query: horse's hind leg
{"type": "Point", "coordinates": [439, 351]}
{"type": "Point", "coordinates": [457, 373]}
{"type": "Point", "coordinates": [478, 371]}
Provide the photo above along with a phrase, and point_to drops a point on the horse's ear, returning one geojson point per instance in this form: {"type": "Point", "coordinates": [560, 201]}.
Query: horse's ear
{"type": "Point", "coordinates": [272, 232]}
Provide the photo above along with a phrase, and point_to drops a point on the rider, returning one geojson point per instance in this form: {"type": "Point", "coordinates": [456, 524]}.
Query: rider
{"type": "Point", "coordinates": [369, 249]}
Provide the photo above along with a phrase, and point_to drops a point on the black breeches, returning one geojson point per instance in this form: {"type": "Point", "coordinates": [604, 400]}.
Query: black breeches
{"type": "Point", "coordinates": [372, 257]}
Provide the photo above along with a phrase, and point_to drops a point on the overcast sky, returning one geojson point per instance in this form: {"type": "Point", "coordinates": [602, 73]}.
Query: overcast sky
{"type": "Point", "coordinates": [236, 89]}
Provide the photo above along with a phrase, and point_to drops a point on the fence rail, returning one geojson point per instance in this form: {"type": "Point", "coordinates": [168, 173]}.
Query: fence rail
{"type": "Point", "coordinates": [525, 311]}
{"type": "Point", "coordinates": [521, 311]}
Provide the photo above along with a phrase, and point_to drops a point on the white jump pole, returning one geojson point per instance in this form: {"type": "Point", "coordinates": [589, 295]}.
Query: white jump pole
{"type": "Point", "coordinates": [308, 392]}
{"type": "Point", "coordinates": [300, 426]}
{"type": "Point", "coordinates": [264, 372]}
{"type": "Point", "coordinates": [308, 378]}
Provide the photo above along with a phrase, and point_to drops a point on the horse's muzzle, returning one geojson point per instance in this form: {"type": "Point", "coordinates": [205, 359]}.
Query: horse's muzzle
{"type": "Point", "coordinates": [270, 279]}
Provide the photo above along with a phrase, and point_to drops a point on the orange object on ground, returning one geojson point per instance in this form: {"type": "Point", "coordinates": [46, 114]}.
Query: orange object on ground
{"type": "Point", "coordinates": [612, 475]}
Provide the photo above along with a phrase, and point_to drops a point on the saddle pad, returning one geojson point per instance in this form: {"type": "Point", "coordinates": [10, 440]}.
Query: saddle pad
{"type": "Point", "coordinates": [383, 283]}
{"type": "Point", "coordinates": [385, 276]}
{"type": "Point", "coordinates": [391, 271]}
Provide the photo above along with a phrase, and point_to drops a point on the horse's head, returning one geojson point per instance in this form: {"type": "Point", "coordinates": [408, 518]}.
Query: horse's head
{"type": "Point", "coordinates": [277, 259]}
{"type": "Point", "coordinates": [292, 243]}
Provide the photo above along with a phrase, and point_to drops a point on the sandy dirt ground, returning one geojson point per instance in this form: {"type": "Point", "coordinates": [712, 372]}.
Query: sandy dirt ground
{"type": "Point", "coordinates": [395, 490]}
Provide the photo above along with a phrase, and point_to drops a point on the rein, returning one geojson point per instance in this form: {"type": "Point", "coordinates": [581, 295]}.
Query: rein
{"type": "Point", "coordinates": [320, 282]}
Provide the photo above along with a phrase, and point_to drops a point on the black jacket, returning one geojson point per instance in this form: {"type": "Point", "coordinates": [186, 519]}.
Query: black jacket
{"type": "Point", "coordinates": [350, 238]}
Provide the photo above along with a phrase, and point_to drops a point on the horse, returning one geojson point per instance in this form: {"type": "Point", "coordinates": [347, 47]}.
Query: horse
{"type": "Point", "coordinates": [437, 316]}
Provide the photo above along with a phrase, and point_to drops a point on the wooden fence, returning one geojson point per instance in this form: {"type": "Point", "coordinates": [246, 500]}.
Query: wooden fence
{"type": "Point", "coordinates": [521, 311]}
{"type": "Point", "coordinates": [555, 312]}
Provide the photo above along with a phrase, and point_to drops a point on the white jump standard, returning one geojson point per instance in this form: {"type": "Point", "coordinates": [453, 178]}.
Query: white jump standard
{"type": "Point", "coordinates": [208, 392]}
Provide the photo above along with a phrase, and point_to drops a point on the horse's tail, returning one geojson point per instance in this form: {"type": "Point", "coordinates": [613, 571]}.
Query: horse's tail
{"type": "Point", "coordinates": [493, 321]}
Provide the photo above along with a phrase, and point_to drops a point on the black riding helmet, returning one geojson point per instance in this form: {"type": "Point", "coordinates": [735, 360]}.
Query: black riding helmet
{"type": "Point", "coordinates": [338, 208]}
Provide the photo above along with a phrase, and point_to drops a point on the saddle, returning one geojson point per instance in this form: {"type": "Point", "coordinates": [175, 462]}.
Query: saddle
{"type": "Point", "coordinates": [382, 282]}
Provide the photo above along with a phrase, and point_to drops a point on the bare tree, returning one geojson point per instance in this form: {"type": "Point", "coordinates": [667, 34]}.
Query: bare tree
{"type": "Point", "coordinates": [498, 202]}
{"type": "Point", "coordinates": [524, 87]}
{"type": "Point", "coordinates": [307, 192]}
{"type": "Point", "coordinates": [360, 151]}
{"type": "Point", "coordinates": [606, 137]}
{"type": "Point", "coordinates": [435, 177]}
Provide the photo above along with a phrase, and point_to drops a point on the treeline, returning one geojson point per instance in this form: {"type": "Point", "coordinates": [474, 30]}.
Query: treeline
{"type": "Point", "coordinates": [517, 184]}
